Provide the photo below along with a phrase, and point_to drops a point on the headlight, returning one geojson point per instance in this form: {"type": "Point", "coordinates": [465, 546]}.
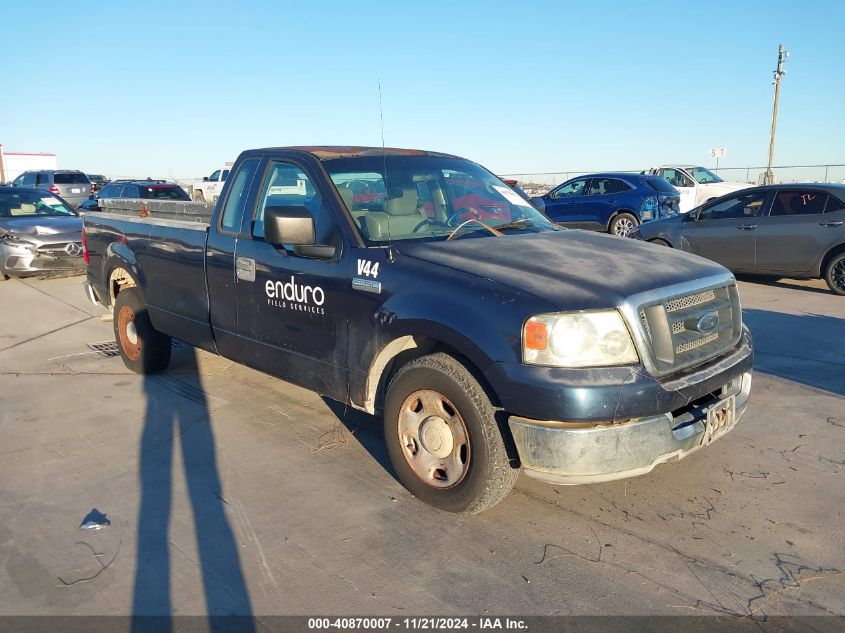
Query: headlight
{"type": "Point", "coordinates": [17, 243]}
{"type": "Point", "coordinates": [578, 339]}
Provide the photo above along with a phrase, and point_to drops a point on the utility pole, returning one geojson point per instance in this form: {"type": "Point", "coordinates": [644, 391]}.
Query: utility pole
{"type": "Point", "coordinates": [769, 176]}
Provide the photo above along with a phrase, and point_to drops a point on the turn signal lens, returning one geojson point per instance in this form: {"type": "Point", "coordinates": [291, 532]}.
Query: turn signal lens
{"type": "Point", "coordinates": [536, 335]}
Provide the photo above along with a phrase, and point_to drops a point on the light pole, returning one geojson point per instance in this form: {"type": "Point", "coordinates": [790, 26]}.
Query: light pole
{"type": "Point", "coordinates": [769, 177]}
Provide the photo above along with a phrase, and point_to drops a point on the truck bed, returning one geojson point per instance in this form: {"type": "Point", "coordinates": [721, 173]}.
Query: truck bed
{"type": "Point", "coordinates": [167, 240]}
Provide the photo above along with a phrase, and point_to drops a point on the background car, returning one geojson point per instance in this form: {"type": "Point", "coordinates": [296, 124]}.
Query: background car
{"type": "Point", "coordinates": [148, 189]}
{"type": "Point", "coordinates": [795, 230]}
{"type": "Point", "coordinates": [39, 232]}
{"type": "Point", "coordinates": [98, 181]}
{"type": "Point", "coordinates": [70, 184]}
{"type": "Point", "coordinates": [612, 202]}
{"type": "Point", "coordinates": [514, 184]}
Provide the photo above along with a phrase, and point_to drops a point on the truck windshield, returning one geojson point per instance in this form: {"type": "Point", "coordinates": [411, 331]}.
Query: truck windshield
{"type": "Point", "coordinates": [401, 197]}
{"type": "Point", "coordinates": [13, 205]}
{"type": "Point", "coordinates": [703, 175]}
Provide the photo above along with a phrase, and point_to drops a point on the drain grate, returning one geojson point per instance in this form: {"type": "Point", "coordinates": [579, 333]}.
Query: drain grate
{"type": "Point", "coordinates": [109, 349]}
{"type": "Point", "coordinates": [106, 350]}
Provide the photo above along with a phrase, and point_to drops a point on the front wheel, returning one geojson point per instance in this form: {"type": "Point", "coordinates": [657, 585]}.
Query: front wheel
{"type": "Point", "coordinates": [622, 224]}
{"type": "Point", "coordinates": [143, 349]}
{"type": "Point", "coordinates": [834, 274]}
{"type": "Point", "coordinates": [443, 439]}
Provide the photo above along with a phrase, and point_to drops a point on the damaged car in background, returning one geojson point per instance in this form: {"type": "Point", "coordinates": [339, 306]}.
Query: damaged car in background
{"type": "Point", "coordinates": [39, 232]}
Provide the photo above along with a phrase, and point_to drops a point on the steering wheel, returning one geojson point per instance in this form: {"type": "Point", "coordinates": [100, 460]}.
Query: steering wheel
{"type": "Point", "coordinates": [474, 213]}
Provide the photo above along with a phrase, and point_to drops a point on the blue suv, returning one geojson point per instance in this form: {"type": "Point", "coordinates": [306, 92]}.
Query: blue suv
{"type": "Point", "coordinates": [612, 202]}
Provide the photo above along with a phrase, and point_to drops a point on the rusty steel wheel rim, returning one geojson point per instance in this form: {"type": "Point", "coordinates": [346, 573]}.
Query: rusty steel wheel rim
{"type": "Point", "coordinates": [128, 334]}
{"type": "Point", "coordinates": [434, 439]}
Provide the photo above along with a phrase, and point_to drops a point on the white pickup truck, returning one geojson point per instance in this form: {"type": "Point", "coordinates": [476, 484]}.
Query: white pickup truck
{"type": "Point", "coordinates": [696, 184]}
{"type": "Point", "coordinates": [208, 188]}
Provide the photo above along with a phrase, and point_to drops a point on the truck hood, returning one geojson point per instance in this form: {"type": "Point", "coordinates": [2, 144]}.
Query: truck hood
{"type": "Point", "coordinates": [569, 268]}
{"type": "Point", "coordinates": [716, 189]}
{"type": "Point", "coordinates": [43, 230]}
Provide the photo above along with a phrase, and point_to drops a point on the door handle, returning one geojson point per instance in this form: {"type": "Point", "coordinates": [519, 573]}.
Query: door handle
{"type": "Point", "coordinates": [245, 268]}
{"type": "Point", "coordinates": [747, 227]}
{"type": "Point", "coordinates": [832, 223]}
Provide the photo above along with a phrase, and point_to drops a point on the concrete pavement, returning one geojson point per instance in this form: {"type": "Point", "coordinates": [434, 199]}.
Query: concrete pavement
{"type": "Point", "coordinates": [232, 492]}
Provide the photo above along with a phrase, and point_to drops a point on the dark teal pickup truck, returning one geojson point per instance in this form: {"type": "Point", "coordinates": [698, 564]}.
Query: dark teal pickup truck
{"type": "Point", "coordinates": [418, 286]}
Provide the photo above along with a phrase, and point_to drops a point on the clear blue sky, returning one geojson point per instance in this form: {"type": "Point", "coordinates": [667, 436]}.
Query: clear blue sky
{"type": "Point", "coordinates": [174, 88]}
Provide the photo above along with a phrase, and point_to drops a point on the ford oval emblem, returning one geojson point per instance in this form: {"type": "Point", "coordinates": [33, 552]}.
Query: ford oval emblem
{"type": "Point", "coordinates": [707, 322]}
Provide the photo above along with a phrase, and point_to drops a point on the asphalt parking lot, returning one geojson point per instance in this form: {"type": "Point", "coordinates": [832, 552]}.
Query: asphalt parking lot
{"type": "Point", "coordinates": [228, 491]}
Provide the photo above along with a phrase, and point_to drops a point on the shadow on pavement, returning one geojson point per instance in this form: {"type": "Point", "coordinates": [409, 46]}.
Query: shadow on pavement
{"type": "Point", "coordinates": [804, 348]}
{"type": "Point", "coordinates": [177, 413]}
{"type": "Point", "coordinates": [367, 429]}
{"type": "Point", "coordinates": [782, 282]}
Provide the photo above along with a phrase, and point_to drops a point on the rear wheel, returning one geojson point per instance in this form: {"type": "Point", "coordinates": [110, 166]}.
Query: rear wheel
{"type": "Point", "coordinates": [622, 224]}
{"type": "Point", "coordinates": [834, 274]}
{"type": "Point", "coordinates": [198, 196]}
{"type": "Point", "coordinates": [143, 349]}
{"type": "Point", "coordinates": [443, 439]}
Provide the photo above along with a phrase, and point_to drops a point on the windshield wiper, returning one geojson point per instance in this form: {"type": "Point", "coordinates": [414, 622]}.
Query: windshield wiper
{"type": "Point", "coordinates": [524, 223]}
{"type": "Point", "coordinates": [454, 233]}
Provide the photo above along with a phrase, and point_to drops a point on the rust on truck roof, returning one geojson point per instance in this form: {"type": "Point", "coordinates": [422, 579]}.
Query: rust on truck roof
{"type": "Point", "coordinates": [327, 152]}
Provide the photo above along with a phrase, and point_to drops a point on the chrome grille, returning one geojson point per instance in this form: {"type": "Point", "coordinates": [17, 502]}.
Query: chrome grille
{"type": "Point", "coordinates": [673, 305]}
{"type": "Point", "coordinates": [60, 249]}
{"type": "Point", "coordinates": [690, 329]}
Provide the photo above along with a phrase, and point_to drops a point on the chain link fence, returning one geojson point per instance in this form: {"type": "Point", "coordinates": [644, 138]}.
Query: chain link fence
{"type": "Point", "coordinates": [538, 183]}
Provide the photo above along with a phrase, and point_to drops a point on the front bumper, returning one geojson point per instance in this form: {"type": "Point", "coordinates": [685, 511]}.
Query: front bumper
{"type": "Point", "coordinates": [16, 260]}
{"type": "Point", "coordinates": [568, 454]}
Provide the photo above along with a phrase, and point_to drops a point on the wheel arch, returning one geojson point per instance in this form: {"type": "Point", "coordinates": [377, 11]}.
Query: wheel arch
{"type": "Point", "coordinates": [405, 348]}
{"type": "Point", "coordinates": [121, 271]}
{"type": "Point", "coordinates": [830, 254]}
{"type": "Point", "coordinates": [618, 212]}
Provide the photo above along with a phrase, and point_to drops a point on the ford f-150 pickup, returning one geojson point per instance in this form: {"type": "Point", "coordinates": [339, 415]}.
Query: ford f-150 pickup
{"type": "Point", "coordinates": [487, 344]}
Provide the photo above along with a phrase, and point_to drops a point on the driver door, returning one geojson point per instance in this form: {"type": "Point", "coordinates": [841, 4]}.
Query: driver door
{"type": "Point", "coordinates": [726, 231]}
{"type": "Point", "coordinates": [291, 309]}
{"type": "Point", "coordinates": [563, 203]}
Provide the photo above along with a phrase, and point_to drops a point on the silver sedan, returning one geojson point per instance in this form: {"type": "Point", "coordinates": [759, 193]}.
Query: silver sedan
{"type": "Point", "coordinates": [39, 232]}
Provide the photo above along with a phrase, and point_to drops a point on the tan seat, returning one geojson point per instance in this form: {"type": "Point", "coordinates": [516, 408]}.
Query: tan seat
{"type": "Point", "coordinates": [401, 216]}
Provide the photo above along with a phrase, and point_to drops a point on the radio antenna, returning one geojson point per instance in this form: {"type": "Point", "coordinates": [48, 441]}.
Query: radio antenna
{"type": "Point", "coordinates": [384, 162]}
{"type": "Point", "coordinates": [381, 114]}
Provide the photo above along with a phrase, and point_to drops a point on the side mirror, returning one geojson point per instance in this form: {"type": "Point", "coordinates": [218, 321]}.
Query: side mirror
{"type": "Point", "coordinates": [294, 225]}
{"type": "Point", "coordinates": [205, 178]}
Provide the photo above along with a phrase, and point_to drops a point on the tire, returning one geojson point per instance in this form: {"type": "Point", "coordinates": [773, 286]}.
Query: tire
{"type": "Point", "coordinates": [660, 242]}
{"type": "Point", "coordinates": [143, 349]}
{"type": "Point", "coordinates": [834, 274]}
{"type": "Point", "coordinates": [621, 224]}
{"type": "Point", "coordinates": [198, 196]}
{"type": "Point", "coordinates": [438, 393]}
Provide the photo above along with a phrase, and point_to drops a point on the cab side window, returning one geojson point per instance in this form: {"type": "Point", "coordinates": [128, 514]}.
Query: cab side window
{"type": "Point", "coordinates": [798, 203]}
{"type": "Point", "coordinates": [287, 184]}
{"type": "Point", "coordinates": [215, 176]}
{"type": "Point", "coordinates": [746, 205]}
{"type": "Point", "coordinates": [28, 180]}
{"type": "Point", "coordinates": [676, 178]}
{"type": "Point", "coordinates": [570, 189]}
